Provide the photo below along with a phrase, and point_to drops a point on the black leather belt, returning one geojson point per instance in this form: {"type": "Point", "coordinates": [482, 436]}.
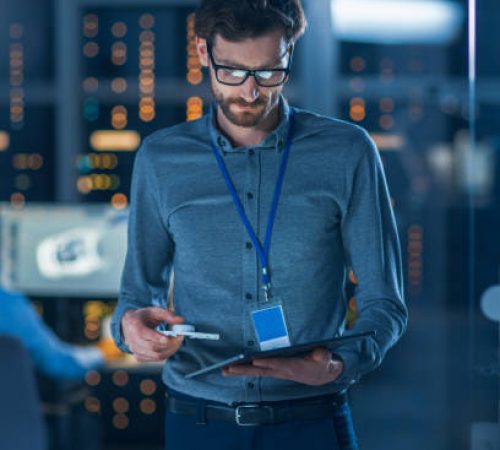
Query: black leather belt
{"type": "Point", "coordinates": [264, 413]}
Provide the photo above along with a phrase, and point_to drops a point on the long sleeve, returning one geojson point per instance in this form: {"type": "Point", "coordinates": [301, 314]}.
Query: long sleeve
{"type": "Point", "coordinates": [334, 212]}
{"type": "Point", "coordinates": [145, 278]}
{"type": "Point", "coordinates": [372, 249]}
{"type": "Point", "coordinates": [51, 355]}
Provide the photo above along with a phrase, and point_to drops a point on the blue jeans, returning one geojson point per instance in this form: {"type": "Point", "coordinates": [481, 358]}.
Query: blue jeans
{"type": "Point", "coordinates": [335, 433]}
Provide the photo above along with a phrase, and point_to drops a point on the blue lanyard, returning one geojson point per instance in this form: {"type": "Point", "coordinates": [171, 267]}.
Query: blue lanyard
{"type": "Point", "coordinates": [262, 252]}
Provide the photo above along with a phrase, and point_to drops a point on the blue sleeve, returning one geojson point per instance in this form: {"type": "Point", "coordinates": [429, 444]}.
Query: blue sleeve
{"type": "Point", "coordinates": [373, 251]}
{"type": "Point", "coordinates": [146, 274]}
{"type": "Point", "coordinates": [51, 356]}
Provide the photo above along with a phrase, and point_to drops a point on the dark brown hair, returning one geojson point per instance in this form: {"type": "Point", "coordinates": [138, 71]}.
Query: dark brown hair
{"type": "Point", "coordinates": [236, 20]}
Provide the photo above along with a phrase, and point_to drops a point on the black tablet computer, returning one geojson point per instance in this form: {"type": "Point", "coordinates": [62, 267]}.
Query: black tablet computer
{"type": "Point", "coordinates": [295, 350]}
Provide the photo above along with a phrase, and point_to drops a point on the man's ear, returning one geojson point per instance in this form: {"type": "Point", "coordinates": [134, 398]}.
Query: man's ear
{"type": "Point", "coordinates": [201, 48]}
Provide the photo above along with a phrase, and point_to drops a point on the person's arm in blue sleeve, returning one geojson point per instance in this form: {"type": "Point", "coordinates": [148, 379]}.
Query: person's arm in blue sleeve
{"type": "Point", "coordinates": [145, 278]}
{"type": "Point", "coordinates": [51, 355]}
{"type": "Point", "coordinates": [372, 248]}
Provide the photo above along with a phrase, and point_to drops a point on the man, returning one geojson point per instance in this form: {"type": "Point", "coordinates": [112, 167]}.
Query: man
{"type": "Point", "coordinates": [201, 196]}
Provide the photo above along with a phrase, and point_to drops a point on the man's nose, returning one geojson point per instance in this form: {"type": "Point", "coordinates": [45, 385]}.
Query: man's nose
{"type": "Point", "coordinates": [249, 90]}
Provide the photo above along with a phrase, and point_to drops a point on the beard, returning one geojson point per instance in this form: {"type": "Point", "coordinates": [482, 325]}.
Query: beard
{"type": "Point", "coordinates": [246, 118]}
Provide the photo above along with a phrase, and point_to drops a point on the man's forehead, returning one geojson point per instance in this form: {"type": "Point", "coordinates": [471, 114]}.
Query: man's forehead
{"type": "Point", "coordinates": [252, 52]}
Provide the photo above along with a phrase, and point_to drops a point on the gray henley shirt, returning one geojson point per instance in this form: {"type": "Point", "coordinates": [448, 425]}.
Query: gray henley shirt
{"type": "Point", "coordinates": [334, 214]}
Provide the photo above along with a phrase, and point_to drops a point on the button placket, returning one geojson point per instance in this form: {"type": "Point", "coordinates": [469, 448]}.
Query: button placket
{"type": "Point", "coordinates": [250, 200]}
{"type": "Point", "coordinates": [250, 205]}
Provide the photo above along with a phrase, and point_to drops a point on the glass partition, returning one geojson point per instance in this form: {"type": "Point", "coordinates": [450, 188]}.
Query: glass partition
{"type": "Point", "coordinates": [423, 78]}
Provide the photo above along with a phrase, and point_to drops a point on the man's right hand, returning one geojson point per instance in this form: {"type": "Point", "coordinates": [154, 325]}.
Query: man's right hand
{"type": "Point", "coordinates": [147, 345]}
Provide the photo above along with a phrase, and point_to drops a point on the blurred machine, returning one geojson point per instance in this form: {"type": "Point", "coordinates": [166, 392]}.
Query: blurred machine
{"type": "Point", "coordinates": [81, 84]}
{"type": "Point", "coordinates": [62, 251]}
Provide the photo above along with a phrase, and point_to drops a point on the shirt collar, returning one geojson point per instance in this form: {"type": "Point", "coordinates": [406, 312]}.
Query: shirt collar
{"type": "Point", "coordinates": [276, 139]}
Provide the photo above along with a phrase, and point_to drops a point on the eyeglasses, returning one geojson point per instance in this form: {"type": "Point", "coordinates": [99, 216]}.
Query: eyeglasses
{"type": "Point", "coordinates": [236, 76]}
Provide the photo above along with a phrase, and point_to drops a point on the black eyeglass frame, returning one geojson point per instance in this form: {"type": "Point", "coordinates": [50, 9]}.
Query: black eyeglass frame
{"type": "Point", "coordinates": [253, 73]}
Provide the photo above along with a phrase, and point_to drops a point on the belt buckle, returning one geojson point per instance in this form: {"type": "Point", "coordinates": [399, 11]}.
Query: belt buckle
{"type": "Point", "coordinates": [238, 414]}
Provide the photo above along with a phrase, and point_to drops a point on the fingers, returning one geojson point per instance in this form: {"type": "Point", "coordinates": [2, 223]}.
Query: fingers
{"type": "Point", "coordinates": [267, 367]}
{"type": "Point", "coordinates": [324, 358]}
{"type": "Point", "coordinates": [320, 355]}
{"type": "Point", "coordinates": [169, 345]}
{"type": "Point", "coordinates": [248, 370]}
{"type": "Point", "coordinates": [141, 338]}
{"type": "Point", "coordinates": [314, 369]}
{"type": "Point", "coordinates": [136, 331]}
{"type": "Point", "coordinates": [271, 363]}
{"type": "Point", "coordinates": [156, 315]}
{"type": "Point", "coordinates": [147, 334]}
{"type": "Point", "coordinates": [150, 351]}
{"type": "Point", "coordinates": [335, 367]}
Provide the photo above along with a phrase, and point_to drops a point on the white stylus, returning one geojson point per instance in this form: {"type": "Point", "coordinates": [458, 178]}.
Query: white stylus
{"type": "Point", "coordinates": [189, 331]}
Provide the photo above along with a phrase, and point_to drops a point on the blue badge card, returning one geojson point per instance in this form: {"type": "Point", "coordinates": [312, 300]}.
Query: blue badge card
{"type": "Point", "coordinates": [270, 327]}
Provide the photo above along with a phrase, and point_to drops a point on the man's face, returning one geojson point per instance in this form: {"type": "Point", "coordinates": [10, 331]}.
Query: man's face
{"type": "Point", "coordinates": [249, 104]}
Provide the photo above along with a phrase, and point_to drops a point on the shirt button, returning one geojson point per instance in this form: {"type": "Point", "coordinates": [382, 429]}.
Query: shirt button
{"type": "Point", "coordinates": [221, 142]}
{"type": "Point", "coordinates": [248, 245]}
{"type": "Point", "coordinates": [251, 152]}
{"type": "Point", "coordinates": [251, 385]}
{"type": "Point", "coordinates": [248, 296]}
{"type": "Point", "coordinates": [249, 195]}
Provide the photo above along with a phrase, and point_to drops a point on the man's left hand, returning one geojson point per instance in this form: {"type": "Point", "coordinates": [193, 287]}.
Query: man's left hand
{"type": "Point", "coordinates": [315, 369]}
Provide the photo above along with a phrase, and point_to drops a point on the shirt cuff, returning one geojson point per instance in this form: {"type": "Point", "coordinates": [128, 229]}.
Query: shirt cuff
{"type": "Point", "coordinates": [116, 326]}
{"type": "Point", "coordinates": [349, 374]}
{"type": "Point", "coordinates": [88, 357]}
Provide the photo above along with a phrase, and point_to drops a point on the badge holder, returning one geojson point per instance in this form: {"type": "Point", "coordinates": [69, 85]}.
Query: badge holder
{"type": "Point", "coordinates": [270, 324]}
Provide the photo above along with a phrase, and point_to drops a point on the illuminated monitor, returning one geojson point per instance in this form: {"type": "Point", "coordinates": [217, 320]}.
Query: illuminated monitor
{"type": "Point", "coordinates": [63, 251]}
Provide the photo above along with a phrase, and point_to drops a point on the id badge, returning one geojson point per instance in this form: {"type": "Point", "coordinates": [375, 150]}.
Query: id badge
{"type": "Point", "coordinates": [270, 326]}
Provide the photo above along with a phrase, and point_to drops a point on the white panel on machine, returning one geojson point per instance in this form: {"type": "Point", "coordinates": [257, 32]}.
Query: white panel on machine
{"type": "Point", "coordinates": [70, 251]}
